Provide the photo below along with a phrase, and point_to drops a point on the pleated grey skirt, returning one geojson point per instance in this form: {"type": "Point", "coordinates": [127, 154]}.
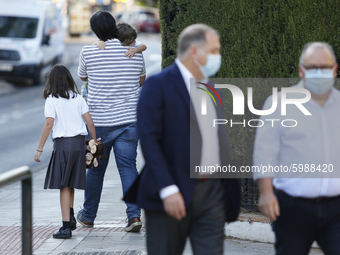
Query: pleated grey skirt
{"type": "Point", "coordinates": [67, 167]}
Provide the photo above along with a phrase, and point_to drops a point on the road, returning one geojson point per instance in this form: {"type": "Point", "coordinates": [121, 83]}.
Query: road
{"type": "Point", "coordinates": [22, 108]}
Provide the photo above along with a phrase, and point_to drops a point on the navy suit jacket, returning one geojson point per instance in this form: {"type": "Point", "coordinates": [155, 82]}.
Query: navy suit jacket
{"type": "Point", "coordinates": [165, 127]}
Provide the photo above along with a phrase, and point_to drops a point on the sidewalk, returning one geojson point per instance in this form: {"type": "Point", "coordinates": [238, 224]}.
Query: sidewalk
{"type": "Point", "coordinates": [108, 236]}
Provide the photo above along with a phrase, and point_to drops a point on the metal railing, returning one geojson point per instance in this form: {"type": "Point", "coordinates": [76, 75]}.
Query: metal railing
{"type": "Point", "coordinates": [24, 175]}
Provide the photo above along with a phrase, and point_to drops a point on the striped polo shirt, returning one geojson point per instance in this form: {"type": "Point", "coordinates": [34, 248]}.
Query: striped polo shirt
{"type": "Point", "coordinates": [113, 83]}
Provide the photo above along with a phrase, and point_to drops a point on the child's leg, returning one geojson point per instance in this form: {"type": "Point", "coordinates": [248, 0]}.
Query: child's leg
{"type": "Point", "coordinates": [73, 222]}
{"type": "Point", "coordinates": [72, 197]}
{"type": "Point", "coordinates": [65, 202]}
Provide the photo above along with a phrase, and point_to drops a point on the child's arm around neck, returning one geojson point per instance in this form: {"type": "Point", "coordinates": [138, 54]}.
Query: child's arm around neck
{"type": "Point", "coordinates": [140, 48]}
{"type": "Point", "coordinates": [132, 51]}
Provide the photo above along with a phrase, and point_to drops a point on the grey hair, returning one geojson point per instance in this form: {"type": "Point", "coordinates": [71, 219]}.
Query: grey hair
{"type": "Point", "coordinates": [193, 35]}
{"type": "Point", "coordinates": [322, 45]}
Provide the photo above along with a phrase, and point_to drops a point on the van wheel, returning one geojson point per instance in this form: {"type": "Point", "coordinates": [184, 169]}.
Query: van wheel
{"type": "Point", "coordinates": [21, 84]}
{"type": "Point", "coordinates": [37, 77]}
{"type": "Point", "coordinates": [59, 59]}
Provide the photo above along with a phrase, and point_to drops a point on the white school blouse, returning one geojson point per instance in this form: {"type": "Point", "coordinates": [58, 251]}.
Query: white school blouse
{"type": "Point", "coordinates": [67, 114]}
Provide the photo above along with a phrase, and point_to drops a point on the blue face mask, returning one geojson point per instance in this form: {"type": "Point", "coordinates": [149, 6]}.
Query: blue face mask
{"type": "Point", "coordinates": [319, 81]}
{"type": "Point", "coordinates": [213, 64]}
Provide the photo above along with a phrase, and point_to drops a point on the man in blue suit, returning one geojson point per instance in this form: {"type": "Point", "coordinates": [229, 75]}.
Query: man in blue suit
{"type": "Point", "coordinates": [174, 138]}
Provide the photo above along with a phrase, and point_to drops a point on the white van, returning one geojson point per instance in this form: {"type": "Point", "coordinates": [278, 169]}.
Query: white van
{"type": "Point", "coordinates": [31, 39]}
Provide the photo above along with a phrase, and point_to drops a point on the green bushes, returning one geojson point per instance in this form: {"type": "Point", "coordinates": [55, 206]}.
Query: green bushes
{"type": "Point", "coordinates": [259, 38]}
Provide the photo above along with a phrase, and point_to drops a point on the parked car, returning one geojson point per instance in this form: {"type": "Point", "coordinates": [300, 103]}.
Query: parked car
{"type": "Point", "coordinates": [143, 19]}
{"type": "Point", "coordinates": [149, 25]}
{"type": "Point", "coordinates": [31, 39]}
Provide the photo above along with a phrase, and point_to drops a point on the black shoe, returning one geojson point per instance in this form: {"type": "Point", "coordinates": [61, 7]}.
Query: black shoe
{"type": "Point", "coordinates": [73, 223]}
{"type": "Point", "coordinates": [63, 234]}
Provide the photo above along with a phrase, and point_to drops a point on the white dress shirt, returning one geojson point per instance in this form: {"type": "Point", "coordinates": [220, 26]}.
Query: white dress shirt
{"type": "Point", "coordinates": [210, 144]}
{"type": "Point", "coordinates": [315, 140]}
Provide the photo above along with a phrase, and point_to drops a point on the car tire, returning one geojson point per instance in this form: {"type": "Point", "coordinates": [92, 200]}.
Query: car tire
{"type": "Point", "coordinates": [60, 58]}
{"type": "Point", "coordinates": [37, 77]}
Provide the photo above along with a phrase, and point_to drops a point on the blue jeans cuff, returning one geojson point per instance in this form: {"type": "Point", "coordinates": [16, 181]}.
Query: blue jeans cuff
{"type": "Point", "coordinates": [135, 216]}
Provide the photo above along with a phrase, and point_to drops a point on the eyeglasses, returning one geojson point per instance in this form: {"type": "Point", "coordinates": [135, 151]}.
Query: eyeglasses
{"type": "Point", "coordinates": [314, 69]}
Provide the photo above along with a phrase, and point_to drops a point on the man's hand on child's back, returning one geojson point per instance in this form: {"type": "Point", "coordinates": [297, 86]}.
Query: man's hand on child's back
{"type": "Point", "coordinates": [100, 44]}
{"type": "Point", "coordinates": [130, 53]}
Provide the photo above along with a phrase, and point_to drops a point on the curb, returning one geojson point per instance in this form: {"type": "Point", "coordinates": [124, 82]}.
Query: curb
{"type": "Point", "coordinates": [248, 226]}
{"type": "Point", "coordinates": [250, 217]}
{"type": "Point", "coordinates": [252, 227]}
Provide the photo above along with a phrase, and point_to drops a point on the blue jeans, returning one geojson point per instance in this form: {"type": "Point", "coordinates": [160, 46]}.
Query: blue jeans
{"type": "Point", "coordinates": [123, 139]}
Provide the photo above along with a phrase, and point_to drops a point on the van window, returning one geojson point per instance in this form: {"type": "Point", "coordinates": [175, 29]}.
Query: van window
{"type": "Point", "coordinates": [18, 27]}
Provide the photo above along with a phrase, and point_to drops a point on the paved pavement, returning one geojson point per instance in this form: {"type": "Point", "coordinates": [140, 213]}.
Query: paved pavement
{"type": "Point", "coordinates": [107, 236]}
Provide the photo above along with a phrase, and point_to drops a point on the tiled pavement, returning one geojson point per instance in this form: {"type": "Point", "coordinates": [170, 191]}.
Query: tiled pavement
{"type": "Point", "coordinates": [106, 238]}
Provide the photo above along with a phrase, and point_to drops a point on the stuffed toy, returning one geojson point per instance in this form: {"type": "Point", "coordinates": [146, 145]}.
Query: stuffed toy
{"type": "Point", "coordinates": [94, 151]}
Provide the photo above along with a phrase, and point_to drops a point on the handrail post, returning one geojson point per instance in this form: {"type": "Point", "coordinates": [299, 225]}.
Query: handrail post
{"type": "Point", "coordinates": [26, 216]}
{"type": "Point", "coordinates": [24, 175]}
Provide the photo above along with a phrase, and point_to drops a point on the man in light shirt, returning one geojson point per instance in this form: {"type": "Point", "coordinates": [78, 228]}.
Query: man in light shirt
{"type": "Point", "coordinates": [304, 205]}
{"type": "Point", "coordinates": [173, 137]}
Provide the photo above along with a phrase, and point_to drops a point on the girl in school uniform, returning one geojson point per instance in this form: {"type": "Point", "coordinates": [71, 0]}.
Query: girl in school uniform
{"type": "Point", "coordinates": [65, 112]}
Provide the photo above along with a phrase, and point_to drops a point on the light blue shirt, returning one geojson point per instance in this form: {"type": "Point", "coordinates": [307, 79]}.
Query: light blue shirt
{"type": "Point", "coordinates": [315, 140]}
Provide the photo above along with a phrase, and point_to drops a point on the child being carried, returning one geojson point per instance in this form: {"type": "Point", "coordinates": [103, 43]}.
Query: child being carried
{"type": "Point", "coordinates": [127, 35]}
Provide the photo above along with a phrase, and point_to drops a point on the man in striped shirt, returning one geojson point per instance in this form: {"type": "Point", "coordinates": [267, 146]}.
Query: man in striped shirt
{"type": "Point", "coordinates": [113, 92]}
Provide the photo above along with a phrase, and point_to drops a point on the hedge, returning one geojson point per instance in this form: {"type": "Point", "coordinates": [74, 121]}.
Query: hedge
{"type": "Point", "coordinates": [260, 39]}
